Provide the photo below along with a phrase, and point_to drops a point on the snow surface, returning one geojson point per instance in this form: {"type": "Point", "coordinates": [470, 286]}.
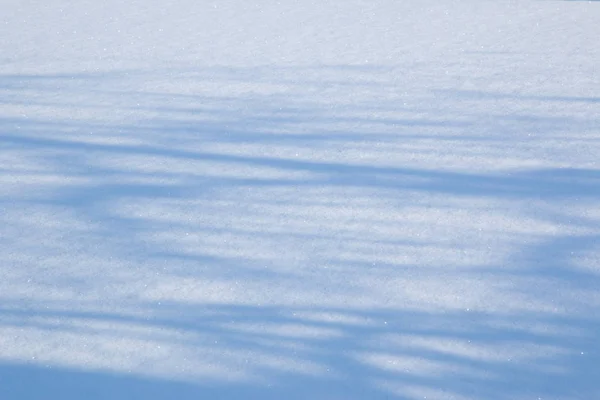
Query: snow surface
{"type": "Point", "coordinates": [299, 199]}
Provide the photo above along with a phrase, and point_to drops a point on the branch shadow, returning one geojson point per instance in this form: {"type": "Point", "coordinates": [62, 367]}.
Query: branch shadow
{"type": "Point", "coordinates": [330, 353]}
{"type": "Point", "coordinates": [162, 176]}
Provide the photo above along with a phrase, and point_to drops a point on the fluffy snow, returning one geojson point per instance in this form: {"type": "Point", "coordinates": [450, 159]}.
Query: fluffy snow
{"type": "Point", "coordinates": [299, 199]}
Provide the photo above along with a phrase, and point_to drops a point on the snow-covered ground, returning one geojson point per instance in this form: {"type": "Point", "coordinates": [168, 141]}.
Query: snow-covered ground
{"type": "Point", "coordinates": [299, 199]}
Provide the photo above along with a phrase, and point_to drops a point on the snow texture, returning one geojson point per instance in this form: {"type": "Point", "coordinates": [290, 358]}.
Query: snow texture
{"type": "Point", "coordinates": [299, 199]}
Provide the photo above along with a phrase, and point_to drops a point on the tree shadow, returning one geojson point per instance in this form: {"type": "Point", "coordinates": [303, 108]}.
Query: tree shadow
{"type": "Point", "coordinates": [327, 353]}
{"type": "Point", "coordinates": [154, 222]}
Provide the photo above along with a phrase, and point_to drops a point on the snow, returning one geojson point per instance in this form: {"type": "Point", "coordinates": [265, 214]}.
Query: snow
{"type": "Point", "coordinates": [299, 199]}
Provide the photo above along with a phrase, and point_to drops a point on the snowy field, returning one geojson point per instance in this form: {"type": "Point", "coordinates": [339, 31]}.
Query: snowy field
{"type": "Point", "coordinates": [299, 199]}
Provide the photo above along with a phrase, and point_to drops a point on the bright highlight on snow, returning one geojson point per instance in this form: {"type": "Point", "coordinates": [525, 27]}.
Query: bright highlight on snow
{"type": "Point", "coordinates": [299, 199]}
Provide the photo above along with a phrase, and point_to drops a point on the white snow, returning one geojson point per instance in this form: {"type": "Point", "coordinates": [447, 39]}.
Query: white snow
{"type": "Point", "coordinates": [299, 199]}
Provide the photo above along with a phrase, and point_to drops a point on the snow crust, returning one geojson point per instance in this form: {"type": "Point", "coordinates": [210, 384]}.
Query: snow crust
{"type": "Point", "coordinates": [349, 200]}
